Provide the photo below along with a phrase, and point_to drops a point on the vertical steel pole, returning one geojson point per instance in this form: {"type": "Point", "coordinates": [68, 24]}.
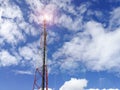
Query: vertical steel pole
{"type": "Point", "coordinates": [44, 56]}
{"type": "Point", "coordinates": [46, 77]}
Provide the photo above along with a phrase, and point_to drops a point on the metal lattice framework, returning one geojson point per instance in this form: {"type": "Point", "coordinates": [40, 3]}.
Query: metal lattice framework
{"type": "Point", "coordinates": [42, 74]}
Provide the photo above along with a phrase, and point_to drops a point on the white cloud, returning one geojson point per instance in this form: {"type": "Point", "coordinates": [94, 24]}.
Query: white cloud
{"type": "Point", "coordinates": [115, 19]}
{"type": "Point", "coordinates": [73, 21]}
{"type": "Point", "coordinates": [6, 59]}
{"type": "Point", "coordinates": [93, 89]}
{"type": "Point", "coordinates": [10, 11]}
{"type": "Point", "coordinates": [10, 33]}
{"type": "Point", "coordinates": [74, 84]}
{"type": "Point", "coordinates": [26, 52]}
{"type": "Point", "coordinates": [102, 89]}
{"type": "Point", "coordinates": [1, 10]}
{"type": "Point", "coordinates": [27, 29]}
{"type": "Point", "coordinates": [12, 25]}
{"type": "Point", "coordinates": [85, 47]}
{"type": "Point", "coordinates": [39, 10]}
{"type": "Point", "coordinates": [55, 8]}
{"type": "Point", "coordinates": [103, 48]}
{"type": "Point", "coordinates": [52, 37]}
{"type": "Point", "coordinates": [80, 84]}
{"type": "Point", "coordinates": [69, 23]}
{"type": "Point", "coordinates": [13, 31]}
{"type": "Point", "coordinates": [94, 47]}
{"type": "Point", "coordinates": [23, 72]}
{"type": "Point", "coordinates": [35, 4]}
{"type": "Point", "coordinates": [31, 54]}
{"type": "Point", "coordinates": [111, 89]}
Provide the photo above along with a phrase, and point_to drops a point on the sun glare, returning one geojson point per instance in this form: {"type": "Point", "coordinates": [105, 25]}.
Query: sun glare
{"type": "Point", "coordinates": [47, 17]}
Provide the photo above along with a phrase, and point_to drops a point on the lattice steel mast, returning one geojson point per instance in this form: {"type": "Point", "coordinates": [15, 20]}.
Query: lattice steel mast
{"type": "Point", "coordinates": [44, 73]}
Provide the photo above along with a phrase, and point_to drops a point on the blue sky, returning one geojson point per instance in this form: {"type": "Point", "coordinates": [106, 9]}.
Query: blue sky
{"type": "Point", "coordinates": [83, 43]}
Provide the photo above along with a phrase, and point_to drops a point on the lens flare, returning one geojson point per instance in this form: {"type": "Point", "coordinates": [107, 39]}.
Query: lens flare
{"type": "Point", "coordinates": [47, 17]}
{"type": "Point", "coordinates": [47, 14]}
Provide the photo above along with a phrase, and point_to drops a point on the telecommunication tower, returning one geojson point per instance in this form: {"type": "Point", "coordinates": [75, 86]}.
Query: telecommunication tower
{"type": "Point", "coordinates": [41, 74]}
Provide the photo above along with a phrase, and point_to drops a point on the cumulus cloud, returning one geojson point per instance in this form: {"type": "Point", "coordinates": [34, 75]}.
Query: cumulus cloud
{"type": "Point", "coordinates": [74, 84]}
{"type": "Point", "coordinates": [94, 47]}
{"type": "Point", "coordinates": [6, 59]}
{"type": "Point", "coordinates": [80, 84]}
{"type": "Point", "coordinates": [103, 48]}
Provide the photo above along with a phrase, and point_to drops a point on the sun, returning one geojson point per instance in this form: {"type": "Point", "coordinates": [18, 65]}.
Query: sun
{"type": "Point", "coordinates": [47, 17]}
